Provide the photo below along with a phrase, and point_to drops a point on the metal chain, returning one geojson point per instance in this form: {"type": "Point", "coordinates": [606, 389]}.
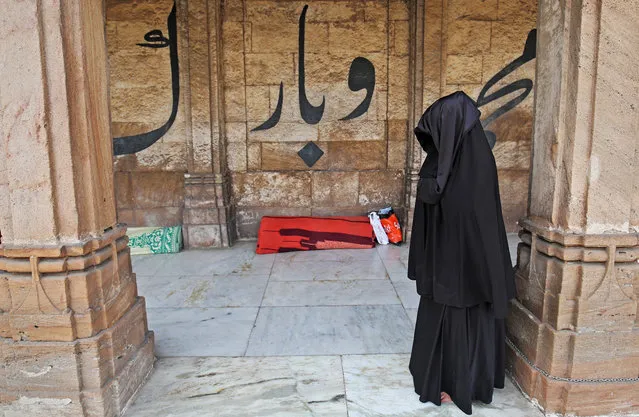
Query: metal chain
{"type": "Point", "coordinates": [575, 380]}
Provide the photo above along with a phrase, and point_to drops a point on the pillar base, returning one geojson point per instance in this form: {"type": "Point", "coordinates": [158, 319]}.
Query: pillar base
{"type": "Point", "coordinates": [73, 331]}
{"type": "Point", "coordinates": [92, 377]}
{"type": "Point", "coordinates": [569, 397]}
{"type": "Point", "coordinates": [209, 221]}
{"type": "Point", "coordinates": [574, 343]}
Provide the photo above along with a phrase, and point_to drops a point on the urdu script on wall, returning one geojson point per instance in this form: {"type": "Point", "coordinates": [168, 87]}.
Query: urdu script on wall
{"type": "Point", "coordinates": [361, 76]}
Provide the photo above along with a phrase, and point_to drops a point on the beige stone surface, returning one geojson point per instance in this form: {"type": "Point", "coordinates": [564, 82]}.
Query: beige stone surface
{"type": "Point", "coordinates": [270, 68]}
{"type": "Point", "coordinates": [368, 36]}
{"type": "Point", "coordinates": [398, 10]}
{"type": "Point", "coordinates": [397, 154]}
{"type": "Point", "coordinates": [462, 69]}
{"type": "Point", "coordinates": [335, 189]}
{"type": "Point", "coordinates": [273, 36]}
{"type": "Point", "coordinates": [254, 157]}
{"type": "Point", "coordinates": [576, 312]}
{"type": "Point", "coordinates": [260, 49]}
{"type": "Point", "coordinates": [513, 190]}
{"type": "Point", "coordinates": [399, 40]}
{"type": "Point", "coordinates": [283, 157]}
{"type": "Point", "coordinates": [285, 132]}
{"type": "Point", "coordinates": [356, 155]}
{"type": "Point", "coordinates": [272, 189]}
{"type": "Point", "coordinates": [318, 11]}
{"type": "Point", "coordinates": [155, 189]}
{"type": "Point", "coordinates": [352, 130]}
{"type": "Point", "coordinates": [477, 9]}
{"type": "Point", "coordinates": [236, 156]}
{"type": "Point", "coordinates": [382, 188]}
{"type": "Point", "coordinates": [258, 103]}
{"type": "Point", "coordinates": [468, 37]}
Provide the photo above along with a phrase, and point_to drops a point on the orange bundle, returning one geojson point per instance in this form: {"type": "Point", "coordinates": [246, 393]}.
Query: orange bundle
{"type": "Point", "coordinates": [391, 225]}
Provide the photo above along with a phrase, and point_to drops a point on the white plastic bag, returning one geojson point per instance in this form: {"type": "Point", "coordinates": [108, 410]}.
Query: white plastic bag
{"type": "Point", "coordinates": [380, 234]}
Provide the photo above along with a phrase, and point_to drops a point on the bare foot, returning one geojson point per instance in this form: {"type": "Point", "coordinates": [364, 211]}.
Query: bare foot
{"type": "Point", "coordinates": [446, 398]}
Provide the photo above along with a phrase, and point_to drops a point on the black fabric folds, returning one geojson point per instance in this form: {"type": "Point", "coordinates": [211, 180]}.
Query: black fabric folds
{"type": "Point", "coordinates": [460, 351]}
{"type": "Point", "coordinates": [459, 258]}
{"type": "Point", "coordinates": [459, 252]}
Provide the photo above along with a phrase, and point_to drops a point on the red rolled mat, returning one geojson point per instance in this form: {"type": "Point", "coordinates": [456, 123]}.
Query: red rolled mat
{"type": "Point", "coordinates": [286, 234]}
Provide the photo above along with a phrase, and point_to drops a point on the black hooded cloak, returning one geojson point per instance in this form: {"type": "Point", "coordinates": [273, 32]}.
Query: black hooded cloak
{"type": "Point", "coordinates": [459, 258]}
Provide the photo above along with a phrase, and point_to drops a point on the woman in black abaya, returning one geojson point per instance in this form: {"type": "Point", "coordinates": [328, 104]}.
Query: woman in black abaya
{"type": "Point", "coordinates": [459, 259]}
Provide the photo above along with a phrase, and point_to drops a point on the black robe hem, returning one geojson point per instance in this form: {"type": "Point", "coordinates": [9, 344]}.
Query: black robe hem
{"type": "Point", "coordinates": [460, 351]}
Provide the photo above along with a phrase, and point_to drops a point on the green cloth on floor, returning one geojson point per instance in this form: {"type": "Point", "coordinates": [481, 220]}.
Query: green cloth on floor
{"type": "Point", "coordinates": [151, 240]}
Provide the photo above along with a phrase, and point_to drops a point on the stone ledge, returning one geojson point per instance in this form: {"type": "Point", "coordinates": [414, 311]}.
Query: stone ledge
{"type": "Point", "coordinates": [65, 262]}
{"type": "Point", "coordinates": [68, 304]}
{"type": "Point", "coordinates": [582, 253]}
{"type": "Point", "coordinates": [91, 244]}
{"type": "Point", "coordinates": [552, 234]}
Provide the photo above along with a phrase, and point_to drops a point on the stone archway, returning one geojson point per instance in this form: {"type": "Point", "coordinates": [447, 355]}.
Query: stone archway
{"type": "Point", "coordinates": [67, 292]}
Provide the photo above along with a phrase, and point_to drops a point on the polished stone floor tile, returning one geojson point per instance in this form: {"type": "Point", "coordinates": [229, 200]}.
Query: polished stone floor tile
{"type": "Point", "coordinates": [381, 385]}
{"type": "Point", "coordinates": [201, 331]}
{"type": "Point", "coordinates": [243, 387]}
{"type": "Point", "coordinates": [412, 314]}
{"type": "Point", "coordinates": [241, 259]}
{"type": "Point", "coordinates": [328, 270]}
{"type": "Point", "coordinates": [397, 271]}
{"type": "Point", "coordinates": [338, 255]}
{"type": "Point", "coordinates": [327, 293]}
{"type": "Point", "coordinates": [331, 330]}
{"type": "Point", "coordinates": [147, 264]}
{"type": "Point", "coordinates": [215, 291]}
{"type": "Point", "coordinates": [394, 252]}
{"type": "Point", "coordinates": [407, 292]}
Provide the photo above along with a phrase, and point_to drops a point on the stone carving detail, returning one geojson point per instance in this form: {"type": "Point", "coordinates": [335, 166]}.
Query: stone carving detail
{"type": "Point", "coordinates": [76, 294]}
{"type": "Point", "coordinates": [577, 296]}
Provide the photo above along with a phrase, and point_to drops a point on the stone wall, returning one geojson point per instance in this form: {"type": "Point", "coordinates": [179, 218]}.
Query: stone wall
{"type": "Point", "coordinates": [467, 44]}
{"type": "Point", "coordinates": [362, 167]}
{"type": "Point", "coordinates": [149, 183]}
{"type": "Point", "coordinates": [364, 161]}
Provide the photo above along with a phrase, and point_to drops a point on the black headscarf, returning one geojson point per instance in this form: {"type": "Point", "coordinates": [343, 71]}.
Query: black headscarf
{"type": "Point", "coordinates": [440, 132]}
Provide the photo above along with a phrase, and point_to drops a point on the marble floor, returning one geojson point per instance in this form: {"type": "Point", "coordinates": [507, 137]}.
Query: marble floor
{"type": "Point", "coordinates": [324, 333]}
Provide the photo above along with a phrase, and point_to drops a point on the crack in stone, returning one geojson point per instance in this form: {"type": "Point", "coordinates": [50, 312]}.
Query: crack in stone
{"type": "Point", "coordinates": [331, 400]}
{"type": "Point", "coordinates": [236, 386]}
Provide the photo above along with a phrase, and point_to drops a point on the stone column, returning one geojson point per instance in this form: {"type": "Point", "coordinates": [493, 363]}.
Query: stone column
{"type": "Point", "coordinates": [73, 331]}
{"type": "Point", "coordinates": [426, 37]}
{"type": "Point", "coordinates": [208, 214]}
{"type": "Point", "coordinates": [418, 47]}
{"type": "Point", "coordinates": [573, 330]}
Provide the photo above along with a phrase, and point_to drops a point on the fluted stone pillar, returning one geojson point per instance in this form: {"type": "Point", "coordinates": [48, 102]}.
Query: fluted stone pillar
{"type": "Point", "coordinates": [574, 329]}
{"type": "Point", "coordinates": [73, 331]}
